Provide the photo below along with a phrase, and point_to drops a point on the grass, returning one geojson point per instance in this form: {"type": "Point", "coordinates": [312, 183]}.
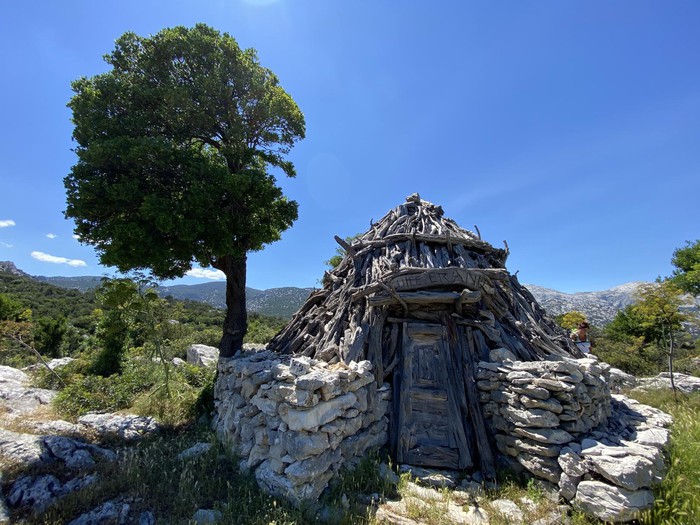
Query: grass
{"type": "Point", "coordinates": [151, 478]}
{"type": "Point", "coordinates": [678, 496]}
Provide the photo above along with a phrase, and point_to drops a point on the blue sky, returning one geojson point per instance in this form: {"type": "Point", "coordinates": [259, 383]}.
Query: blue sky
{"type": "Point", "coordinates": [569, 129]}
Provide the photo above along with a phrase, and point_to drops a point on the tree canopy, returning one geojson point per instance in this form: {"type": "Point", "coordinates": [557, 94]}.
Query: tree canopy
{"type": "Point", "coordinates": [687, 262]}
{"type": "Point", "coordinates": [175, 144]}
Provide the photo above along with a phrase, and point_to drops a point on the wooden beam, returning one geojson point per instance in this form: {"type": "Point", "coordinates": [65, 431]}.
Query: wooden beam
{"type": "Point", "coordinates": [407, 279]}
{"type": "Point", "coordinates": [425, 298]}
{"type": "Point", "coordinates": [345, 246]}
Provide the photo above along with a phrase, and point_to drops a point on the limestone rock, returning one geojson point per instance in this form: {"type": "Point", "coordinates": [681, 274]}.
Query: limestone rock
{"type": "Point", "coordinates": [299, 366]}
{"type": "Point", "coordinates": [310, 469]}
{"type": "Point", "coordinates": [108, 512]}
{"type": "Point", "coordinates": [127, 427]}
{"type": "Point", "coordinates": [571, 463]}
{"type": "Point", "coordinates": [568, 485]}
{"type": "Point", "coordinates": [24, 449]}
{"type": "Point", "coordinates": [536, 417]}
{"type": "Point", "coordinates": [301, 445]}
{"type": "Point", "coordinates": [545, 468]}
{"type": "Point", "coordinates": [432, 477]}
{"type": "Point", "coordinates": [206, 516]}
{"type": "Point", "coordinates": [41, 491]}
{"type": "Point", "coordinates": [610, 503]}
{"type": "Point", "coordinates": [547, 404]}
{"type": "Point", "coordinates": [508, 509]}
{"type": "Point", "coordinates": [16, 396]}
{"type": "Point", "coordinates": [195, 450]}
{"type": "Point", "coordinates": [202, 355]}
{"type": "Point", "coordinates": [323, 413]}
{"type": "Point", "coordinates": [59, 427]}
{"type": "Point", "coordinates": [685, 383]}
{"type": "Point", "coordinates": [545, 435]}
{"type": "Point", "coordinates": [476, 516]}
{"type": "Point", "coordinates": [629, 472]}
{"type": "Point", "coordinates": [620, 380]}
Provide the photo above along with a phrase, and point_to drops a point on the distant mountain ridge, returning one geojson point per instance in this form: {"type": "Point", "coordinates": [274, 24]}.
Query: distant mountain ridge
{"type": "Point", "coordinates": [276, 302]}
{"type": "Point", "coordinates": [599, 307]}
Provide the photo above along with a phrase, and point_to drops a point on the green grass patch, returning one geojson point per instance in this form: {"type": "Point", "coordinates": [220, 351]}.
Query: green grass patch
{"type": "Point", "coordinates": [678, 496]}
{"type": "Point", "coordinates": [150, 477]}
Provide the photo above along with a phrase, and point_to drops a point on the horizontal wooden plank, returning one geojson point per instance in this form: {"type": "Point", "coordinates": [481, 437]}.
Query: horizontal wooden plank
{"type": "Point", "coordinates": [407, 279]}
{"type": "Point", "coordinates": [425, 297]}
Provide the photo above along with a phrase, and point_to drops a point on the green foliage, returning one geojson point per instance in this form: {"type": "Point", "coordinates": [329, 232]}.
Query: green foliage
{"type": "Point", "coordinates": [141, 386]}
{"type": "Point", "coordinates": [570, 320]}
{"type": "Point", "coordinates": [153, 478]}
{"type": "Point", "coordinates": [646, 337]}
{"type": "Point", "coordinates": [11, 309]}
{"type": "Point", "coordinates": [658, 310]}
{"type": "Point", "coordinates": [46, 300]}
{"type": "Point", "coordinates": [174, 144]}
{"type": "Point", "coordinates": [119, 301]}
{"type": "Point", "coordinates": [49, 334]}
{"type": "Point", "coordinates": [687, 262]}
{"type": "Point", "coordinates": [262, 328]}
{"type": "Point", "coordinates": [626, 323]}
{"type": "Point", "coordinates": [631, 355]}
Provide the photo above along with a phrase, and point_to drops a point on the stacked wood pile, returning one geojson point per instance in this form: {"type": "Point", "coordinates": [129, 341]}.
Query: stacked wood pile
{"type": "Point", "coordinates": [412, 264]}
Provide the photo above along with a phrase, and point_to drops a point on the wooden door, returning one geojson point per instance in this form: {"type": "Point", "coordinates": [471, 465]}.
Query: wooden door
{"type": "Point", "coordinates": [431, 429]}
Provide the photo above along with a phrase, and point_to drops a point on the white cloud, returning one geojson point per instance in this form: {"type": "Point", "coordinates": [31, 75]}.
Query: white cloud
{"type": "Point", "coordinates": [45, 257]}
{"type": "Point", "coordinates": [201, 273]}
{"type": "Point", "coordinates": [76, 237]}
{"type": "Point", "coordinates": [6, 223]}
{"type": "Point", "coordinates": [51, 235]}
{"type": "Point", "coordinates": [5, 245]}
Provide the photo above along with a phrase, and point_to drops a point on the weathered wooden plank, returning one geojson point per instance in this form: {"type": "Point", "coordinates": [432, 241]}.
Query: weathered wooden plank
{"type": "Point", "coordinates": [433, 456]}
{"type": "Point", "coordinates": [425, 297]}
{"type": "Point", "coordinates": [483, 438]}
{"type": "Point", "coordinates": [374, 345]}
{"type": "Point", "coordinates": [405, 405]}
{"type": "Point", "coordinates": [492, 333]}
{"type": "Point", "coordinates": [454, 381]}
{"type": "Point", "coordinates": [443, 277]}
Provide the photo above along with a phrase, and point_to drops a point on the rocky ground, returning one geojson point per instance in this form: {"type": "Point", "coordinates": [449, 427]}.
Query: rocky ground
{"type": "Point", "coordinates": [48, 459]}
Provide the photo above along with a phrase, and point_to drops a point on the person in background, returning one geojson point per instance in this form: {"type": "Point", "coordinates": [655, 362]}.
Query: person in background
{"type": "Point", "coordinates": [580, 337]}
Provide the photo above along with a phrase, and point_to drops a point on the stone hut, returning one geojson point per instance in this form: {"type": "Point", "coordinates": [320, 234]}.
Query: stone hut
{"type": "Point", "coordinates": [419, 340]}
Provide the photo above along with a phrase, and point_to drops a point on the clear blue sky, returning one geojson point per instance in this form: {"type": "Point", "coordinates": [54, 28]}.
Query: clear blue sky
{"type": "Point", "coordinates": [569, 129]}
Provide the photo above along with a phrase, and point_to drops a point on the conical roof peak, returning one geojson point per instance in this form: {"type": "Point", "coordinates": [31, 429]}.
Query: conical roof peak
{"type": "Point", "coordinates": [416, 264]}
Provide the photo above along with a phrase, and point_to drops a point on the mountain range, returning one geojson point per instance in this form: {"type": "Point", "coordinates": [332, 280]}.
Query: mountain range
{"type": "Point", "coordinates": [599, 307]}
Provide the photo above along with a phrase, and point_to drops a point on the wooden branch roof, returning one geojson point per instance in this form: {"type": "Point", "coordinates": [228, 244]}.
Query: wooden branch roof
{"type": "Point", "coordinates": [411, 261]}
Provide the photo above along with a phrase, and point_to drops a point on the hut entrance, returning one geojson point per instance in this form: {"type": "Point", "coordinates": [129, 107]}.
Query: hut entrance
{"type": "Point", "coordinates": [430, 430]}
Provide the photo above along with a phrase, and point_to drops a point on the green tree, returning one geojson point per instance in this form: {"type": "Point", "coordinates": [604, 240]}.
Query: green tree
{"type": "Point", "coordinates": [49, 334]}
{"type": "Point", "coordinates": [687, 262]}
{"type": "Point", "coordinates": [627, 324]}
{"type": "Point", "coordinates": [175, 144]}
{"type": "Point", "coordinates": [570, 320]}
{"type": "Point", "coordinates": [658, 311]}
{"type": "Point", "coordinates": [119, 300]}
{"type": "Point", "coordinates": [13, 310]}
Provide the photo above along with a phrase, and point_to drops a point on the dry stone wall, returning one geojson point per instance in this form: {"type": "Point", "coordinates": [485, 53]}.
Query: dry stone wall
{"type": "Point", "coordinates": [295, 421]}
{"type": "Point", "coordinates": [558, 420]}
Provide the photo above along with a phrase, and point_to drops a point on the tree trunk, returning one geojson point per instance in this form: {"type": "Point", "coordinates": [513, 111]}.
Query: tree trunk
{"type": "Point", "coordinates": [236, 322]}
{"type": "Point", "coordinates": [670, 363]}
